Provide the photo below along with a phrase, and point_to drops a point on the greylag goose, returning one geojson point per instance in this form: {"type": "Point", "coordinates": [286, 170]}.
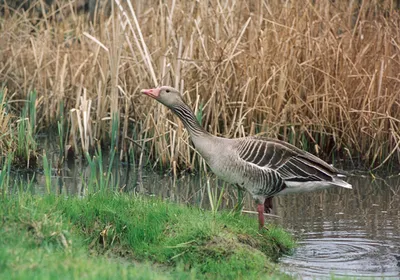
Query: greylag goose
{"type": "Point", "coordinates": [264, 167]}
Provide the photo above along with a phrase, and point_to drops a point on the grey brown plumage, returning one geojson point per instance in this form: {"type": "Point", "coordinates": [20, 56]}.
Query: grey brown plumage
{"type": "Point", "coordinates": [264, 167]}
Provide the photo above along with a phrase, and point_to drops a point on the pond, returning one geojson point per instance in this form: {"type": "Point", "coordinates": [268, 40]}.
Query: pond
{"type": "Point", "coordinates": [340, 231]}
{"type": "Point", "coordinates": [345, 232]}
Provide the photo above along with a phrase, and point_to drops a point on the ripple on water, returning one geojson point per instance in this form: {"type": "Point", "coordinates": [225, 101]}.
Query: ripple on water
{"type": "Point", "coordinates": [360, 242]}
{"type": "Point", "coordinates": [342, 256]}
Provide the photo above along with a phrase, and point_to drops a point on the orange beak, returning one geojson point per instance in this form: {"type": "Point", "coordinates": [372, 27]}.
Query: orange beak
{"type": "Point", "coordinates": [153, 92]}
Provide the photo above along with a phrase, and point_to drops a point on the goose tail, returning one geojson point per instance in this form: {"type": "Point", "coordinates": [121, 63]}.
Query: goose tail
{"type": "Point", "coordinates": [340, 183]}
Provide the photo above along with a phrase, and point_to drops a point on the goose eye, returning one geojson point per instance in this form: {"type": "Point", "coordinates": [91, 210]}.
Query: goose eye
{"type": "Point", "coordinates": [167, 90]}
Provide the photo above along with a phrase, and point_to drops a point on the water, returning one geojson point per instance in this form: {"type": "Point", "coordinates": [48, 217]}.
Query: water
{"type": "Point", "coordinates": [346, 233]}
{"type": "Point", "coordinates": [342, 232]}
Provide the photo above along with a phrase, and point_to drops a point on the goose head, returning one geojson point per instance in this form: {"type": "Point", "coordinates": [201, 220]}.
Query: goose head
{"type": "Point", "coordinates": [166, 95]}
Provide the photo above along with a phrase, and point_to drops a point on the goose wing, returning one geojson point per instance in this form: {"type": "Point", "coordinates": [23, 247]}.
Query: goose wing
{"type": "Point", "coordinates": [290, 162]}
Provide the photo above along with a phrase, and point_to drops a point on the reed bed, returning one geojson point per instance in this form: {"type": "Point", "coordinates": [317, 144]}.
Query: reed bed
{"type": "Point", "coordinates": [323, 76]}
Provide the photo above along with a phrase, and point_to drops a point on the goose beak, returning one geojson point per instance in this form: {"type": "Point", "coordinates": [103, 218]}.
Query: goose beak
{"type": "Point", "coordinates": [153, 92]}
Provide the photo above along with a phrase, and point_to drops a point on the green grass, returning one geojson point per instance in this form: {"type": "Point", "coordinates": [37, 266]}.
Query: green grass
{"type": "Point", "coordinates": [111, 235]}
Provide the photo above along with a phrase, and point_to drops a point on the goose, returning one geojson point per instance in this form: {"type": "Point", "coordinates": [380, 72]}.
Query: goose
{"type": "Point", "coordinates": [264, 167]}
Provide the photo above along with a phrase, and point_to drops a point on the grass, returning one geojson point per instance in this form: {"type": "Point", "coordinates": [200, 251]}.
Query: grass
{"type": "Point", "coordinates": [323, 75]}
{"type": "Point", "coordinates": [112, 235]}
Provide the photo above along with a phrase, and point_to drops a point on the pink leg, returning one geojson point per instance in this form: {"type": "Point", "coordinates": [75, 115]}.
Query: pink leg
{"type": "Point", "coordinates": [260, 210]}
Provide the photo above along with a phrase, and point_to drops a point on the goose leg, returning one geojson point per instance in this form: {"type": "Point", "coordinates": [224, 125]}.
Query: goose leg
{"type": "Point", "coordinates": [260, 210]}
{"type": "Point", "coordinates": [268, 205]}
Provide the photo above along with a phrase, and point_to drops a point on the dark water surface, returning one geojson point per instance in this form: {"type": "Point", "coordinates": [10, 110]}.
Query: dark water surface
{"type": "Point", "coordinates": [345, 232]}
{"type": "Point", "coordinates": [340, 231]}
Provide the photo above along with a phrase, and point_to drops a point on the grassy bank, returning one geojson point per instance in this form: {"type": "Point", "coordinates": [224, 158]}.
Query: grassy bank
{"type": "Point", "coordinates": [110, 235]}
{"type": "Point", "coordinates": [323, 75]}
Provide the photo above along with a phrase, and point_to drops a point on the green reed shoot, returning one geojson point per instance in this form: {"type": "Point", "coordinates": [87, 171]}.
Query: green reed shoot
{"type": "Point", "coordinates": [132, 161]}
{"type": "Point", "coordinates": [101, 181]}
{"type": "Point", "coordinates": [21, 148]}
{"type": "Point", "coordinates": [32, 110]}
{"type": "Point", "coordinates": [26, 144]}
{"type": "Point", "coordinates": [199, 115]}
{"type": "Point", "coordinates": [215, 200]}
{"type": "Point", "coordinates": [98, 179]}
{"type": "Point", "coordinates": [61, 132]}
{"type": "Point", "coordinates": [114, 131]}
{"type": "Point", "coordinates": [60, 128]}
{"type": "Point", "coordinates": [5, 174]}
{"type": "Point", "coordinates": [93, 173]}
{"type": "Point", "coordinates": [47, 172]}
{"type": "Point", "coordinates": [113, 148]}
{"type": "Point", "coordinates": [305, 142]}
{"type": "Point", "coordinates": [25, 141]}
{"type": "Point", "coordinates": [237, 210]}
{"type": "Point", "coordinates": [29, 183]}
{"type": "Point", "coordinates": [292, 137]}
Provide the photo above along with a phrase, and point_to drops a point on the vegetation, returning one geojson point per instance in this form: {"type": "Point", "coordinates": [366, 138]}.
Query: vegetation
{"type": "Point", "coordinates": [113, 235]}
{"type": "Point", "coordinates": [322, 75]}
{"type": "Point", "coordinates": [45, 235]}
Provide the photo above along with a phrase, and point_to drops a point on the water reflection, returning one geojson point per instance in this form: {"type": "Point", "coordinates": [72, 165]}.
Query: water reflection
{"type": "Point", "coordinates": [354, 233]}
{"type": "Point", "coordinates": [344, 232]}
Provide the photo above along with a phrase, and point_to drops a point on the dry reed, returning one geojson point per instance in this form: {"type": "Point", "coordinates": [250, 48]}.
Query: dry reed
{"type": "Point", "coordinates": [324, 76]}
{"type": "Point", "coordinates": [6, 138]}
